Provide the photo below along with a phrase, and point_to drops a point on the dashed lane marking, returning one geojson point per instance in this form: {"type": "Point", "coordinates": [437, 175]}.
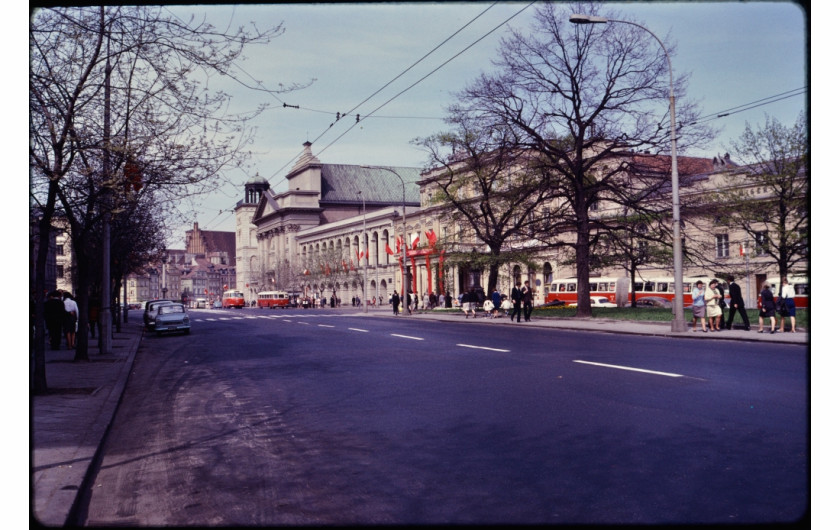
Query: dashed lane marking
{"type": "Point", "coordinates": [406, 337]}
{"type": "Point", "coordinates": [482, 348]}
{"type": "Point", "coordinates": [666, 374]}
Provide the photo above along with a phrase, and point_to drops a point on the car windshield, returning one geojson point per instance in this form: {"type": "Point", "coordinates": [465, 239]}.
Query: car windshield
{"type": "Point", "coordinates": [164, 309]}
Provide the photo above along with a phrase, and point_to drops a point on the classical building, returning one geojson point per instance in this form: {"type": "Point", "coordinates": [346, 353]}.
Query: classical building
{"type": "Point", "coordinates": [340, 227]}
{"type": "Point", "coordinates": [307, 239]}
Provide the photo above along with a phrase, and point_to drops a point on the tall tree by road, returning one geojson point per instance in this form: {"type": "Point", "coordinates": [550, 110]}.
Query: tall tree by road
{"type": "Point", "coordinates": [165, 119]}
{"type": "Point", "coordinates": [580, 96]}
{"type": "Point", "coordinates": [486, 186]}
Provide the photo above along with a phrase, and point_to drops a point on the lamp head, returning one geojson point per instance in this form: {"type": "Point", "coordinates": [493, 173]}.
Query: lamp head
{"type": "Point", "coordinates": [587, 19]}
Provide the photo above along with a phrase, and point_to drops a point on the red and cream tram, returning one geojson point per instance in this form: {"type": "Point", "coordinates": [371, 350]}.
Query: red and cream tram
{"type": "Point", "coordinates": [233, 298]}
{"type": "Point", "coordinates": [272, 299]}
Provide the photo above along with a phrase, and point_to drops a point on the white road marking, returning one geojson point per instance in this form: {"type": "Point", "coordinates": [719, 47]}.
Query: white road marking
{"type": "Point", "coordinates": [666, 374]}
{"type": "Point", "coordinates": [406, 337]}
{"type": "Point", "coordinates": [357, 329]}
{"type": "Point", "coordinates": [482, 348]}
{"type": "Point", "coordinates": [325, 326]}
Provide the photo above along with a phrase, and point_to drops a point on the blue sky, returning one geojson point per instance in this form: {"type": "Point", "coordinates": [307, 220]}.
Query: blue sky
{"type": "Point", "coordinates": [738, 53]}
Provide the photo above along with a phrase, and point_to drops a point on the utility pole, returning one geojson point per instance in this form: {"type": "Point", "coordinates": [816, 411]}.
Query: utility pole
{"type": "Point", "coordinates": [105, 345]}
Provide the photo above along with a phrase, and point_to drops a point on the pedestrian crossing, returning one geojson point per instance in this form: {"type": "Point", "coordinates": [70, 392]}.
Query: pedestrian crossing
{"type": "Point", "coordinates": [194, 316]}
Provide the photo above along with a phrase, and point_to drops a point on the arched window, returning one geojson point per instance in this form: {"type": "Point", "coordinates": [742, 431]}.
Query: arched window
{"type": "Point", "coordinates": [548, 276]}
{"type": "Point", "coordinates": [517, 274]}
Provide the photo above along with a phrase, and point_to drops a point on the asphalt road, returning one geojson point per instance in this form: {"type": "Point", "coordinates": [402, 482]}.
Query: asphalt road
{"type": "Point", "coordinates": [311, 418]}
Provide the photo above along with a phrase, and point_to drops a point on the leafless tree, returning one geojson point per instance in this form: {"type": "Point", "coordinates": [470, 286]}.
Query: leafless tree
{"type": "Point", "coordinates": [124, 96]}
{"type": "Point", "coordinates": [582, 97]}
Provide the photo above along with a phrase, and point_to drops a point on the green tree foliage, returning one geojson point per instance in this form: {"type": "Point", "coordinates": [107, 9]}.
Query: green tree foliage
{"type": "Point", "coordinates": [769, 197]}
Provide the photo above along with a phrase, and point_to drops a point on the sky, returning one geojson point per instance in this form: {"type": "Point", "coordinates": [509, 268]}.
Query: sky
{"type": "Point", "coordinates": [747, 59]}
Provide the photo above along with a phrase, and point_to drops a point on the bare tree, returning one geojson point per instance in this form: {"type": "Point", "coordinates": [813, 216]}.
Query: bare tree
{"type": "Point", "coordinates": [116, 88]}
{"type": "Point", "coordinates": [582, 98]}
{"type": "Point", "coordinates": [486, 185]}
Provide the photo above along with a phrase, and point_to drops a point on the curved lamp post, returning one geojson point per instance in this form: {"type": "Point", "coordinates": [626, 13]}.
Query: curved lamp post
{"type": "Point", "coordinates": [678, 323]}
{"type": "Point", "coordinates": [364, 239]}
{"type": "Point", "coordinates": [405, 272]}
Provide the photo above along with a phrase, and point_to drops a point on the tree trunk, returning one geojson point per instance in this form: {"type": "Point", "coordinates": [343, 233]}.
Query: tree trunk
{"type": "Point", "coordinates": [39, 376]}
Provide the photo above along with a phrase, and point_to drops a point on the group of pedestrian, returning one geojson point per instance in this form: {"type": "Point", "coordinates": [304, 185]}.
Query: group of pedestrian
{"type": "Point", "coordinates": [523, 301]}
{"type": "Point", "coordinates": [784, 304]}
{"type": "Point", "coordinates": [709, 301]}
{"type": "Point", "coordinates": [61, 314]}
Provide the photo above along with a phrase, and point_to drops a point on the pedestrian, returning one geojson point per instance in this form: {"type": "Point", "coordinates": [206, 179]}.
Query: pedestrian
{"type": "Point", "coordinates": [426, 302]}
{"type": "Point", "coordinates": [71, 316]}
{"type": "Point", "coordinates": [698, 305]}
{"type": "Point", "coordinates": [768, 308]}
{"type": "Point", "coordinates": [488, 308]}
{"type": "Point", "coordinates": [787, 306]}
{"type": "Point", "coordinates": [721, 303]}
{"type": "Point", "coordinates": [441, 300]}
{"type": "Point", "coordinates": [448, 300]}
{"type": "Point", "coordinates": [54, 318]}
{"type": "Point", "coordinates": [713, 311]}
{"type": "Point", "coordinates": [736, 303]}
{"type": "Point", "coordinates": [93, 317]}
{"type": "Point", "coordinates": [395, 302]}
{"type": "Point", "coordinates": [506, 305]}
{"type": "Point", "coordinates": [468, 302]}
{"type": "Point", "coordinates": [527, 301]}
{"type": "Point", "coordinates": [415, 300]}
{"type": "Point", "coordinates": [497, 302]}
{"type": "Point", "coordinates": [516, 296]}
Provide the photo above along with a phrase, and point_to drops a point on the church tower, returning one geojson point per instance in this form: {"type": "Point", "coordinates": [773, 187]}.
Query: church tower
{"type": "Point", "coordinates": [247, 260]}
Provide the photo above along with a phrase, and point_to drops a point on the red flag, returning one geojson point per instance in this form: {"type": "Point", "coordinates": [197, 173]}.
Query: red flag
{"type": "Point", "coordinates": [415, 242]}
{"type": "Point", "coordinates": [388, 249]}
{"type": "Point", "coordinates": [432, 237]}
{"type": "Point", "coordinates": [741, 249]}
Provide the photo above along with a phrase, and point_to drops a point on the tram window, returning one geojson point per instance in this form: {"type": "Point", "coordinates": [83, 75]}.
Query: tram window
{"type": "Point", "coordinates": [602, 287]}
{"type": "Point", "coordinates": [671, 287]}
{"type": "Point", "coordinates": [562, 287]}
{"type": "Point", "coordinates": [612, 287]}
{"type": "Point", "coordinates": [649, 287]}
{"type": "Point", "coordinates": [661, 287]}
{"type": "Point", "coordinates": [638, 286]}
{"type": "Point", "coordinates": [572, 287]}
{"type": "Point", "coordinates": [800, 288]}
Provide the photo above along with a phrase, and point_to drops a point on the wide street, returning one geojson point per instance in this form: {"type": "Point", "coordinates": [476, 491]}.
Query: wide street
{"type": "Point", "coordinates": [305, 417]}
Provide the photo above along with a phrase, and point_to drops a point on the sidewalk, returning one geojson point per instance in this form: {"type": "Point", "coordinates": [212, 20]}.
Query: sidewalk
{"type": "Point", "coordinates": [69, 424]}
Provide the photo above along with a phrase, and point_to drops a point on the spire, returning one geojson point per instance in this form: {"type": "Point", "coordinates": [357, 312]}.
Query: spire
{"type": "Point", "coordinates": [306, 158]}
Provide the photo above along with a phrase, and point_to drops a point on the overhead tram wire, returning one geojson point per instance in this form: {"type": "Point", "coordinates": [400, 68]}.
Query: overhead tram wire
{"type": "Point", "coordinates": [426, 76]}
{"type": "Point", "coordinates": [751, 105]}
{"type": "Point", "coordinates": [372, 95]}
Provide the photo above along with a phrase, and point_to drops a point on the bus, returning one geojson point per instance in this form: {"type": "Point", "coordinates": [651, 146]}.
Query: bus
{"type": "Point", "coordinates": [801, 288]}
{"type": "Point", "coordinates": [272, 299]}
{"type": "Point", "coordinates": [233, 298]}
{"type": "Point", "coordinates": [658, 290]}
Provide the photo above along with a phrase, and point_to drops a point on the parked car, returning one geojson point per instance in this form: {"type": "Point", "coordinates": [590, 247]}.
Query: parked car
{"type": "Point", "coordinates": [600, 301]}
{"type": "Point", "coordinates": [171, 317]}
{"type": "Point", "coordinates": [150, 312]}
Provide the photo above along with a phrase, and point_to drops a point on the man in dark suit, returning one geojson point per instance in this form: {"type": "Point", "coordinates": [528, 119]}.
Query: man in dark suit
{"type": "Point", "coordinates": [736, 303]}
{"type": "Point", "coordinates": [516, 296]}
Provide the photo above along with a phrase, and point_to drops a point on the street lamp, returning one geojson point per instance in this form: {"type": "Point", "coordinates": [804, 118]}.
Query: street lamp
{"type": "Point", "coordinates": [405, 272]}
{"type": "Point", "coordinates": [678, 323]}
{"type": "Point", "coordinates": [364, 239]}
